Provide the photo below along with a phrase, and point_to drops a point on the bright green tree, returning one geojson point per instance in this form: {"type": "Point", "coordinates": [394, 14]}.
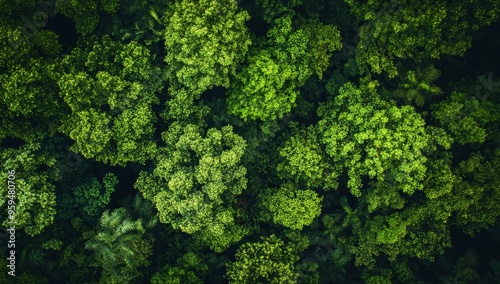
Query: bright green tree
{"type": "Point", "coordinates": [267, 261]}
{"type": "Point", "coordinates": [32, 181]}
{"type": "Point", "coordinates": [204, 42]}
{"type": "Point", "coordinates": [111, 89]}
{"type": "Point", "coordinates": [305, 161]}
{"type": "Point", "coordinates": [30, 107]}
{"type": "Point", "coordinates": [195, 182]}
{"type": "Point", "coordinates": [370, 137]}
{"type": "Point", "coordinates": [266, 88]}
{"type": "Point", "coordinates": [291, 207]}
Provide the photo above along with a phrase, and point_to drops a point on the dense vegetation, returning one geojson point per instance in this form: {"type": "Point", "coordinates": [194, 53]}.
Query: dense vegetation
{"type": "Point", "coordinates": [267, 141]}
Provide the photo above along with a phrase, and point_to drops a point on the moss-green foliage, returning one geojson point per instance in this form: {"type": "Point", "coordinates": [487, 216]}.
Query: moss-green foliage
{"type": "Point", "coordinates": [465, 117]}
{"type": "Point", "coordinates": [477, 193]}
{"type": "Point", "coordinates": [418, 86]}
{"type": "Point", "coordinates": [187, 269]}
{"type": "Point", "coordinates": [304, 160]}
{"type": "Point", "coordinates": [90, 196]}
{"type": "Point", "coordinates": [367, 136]}
{"type": "Point", "coordinates": [88, 199]}
{"type": "Point", "coordinates": [140, 20]}
{"type": "Point", "coordinates": [274, 9]}
{"type": "Point", "coordinates": [30, 107]}
{"type": "Point", "coordinates": [52, 245]}
{"type": "Point", "coordinates": [267, 261]}
{"type": "Point", "coordinates": [301, 141]}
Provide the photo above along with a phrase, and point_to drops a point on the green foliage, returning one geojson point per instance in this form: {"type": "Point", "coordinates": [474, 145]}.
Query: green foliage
{"type": "Point", "coordinates": [268, 261]}
{"type": "Point", "coordinates": [417, 85]}
{"type": "Point", "coordinates": [304, 160]}
{"type": "Point", "coordinates": [86, 14]}
{"type": "Point", "coordinates": [416, 30]}
{"type": "Point", "coordinates": [76, 263]}
{"type": "Point", "coordinates": [291, 207]}
{"type": "Point", "coordinates": [195, 181]}
{"type": "Point", "coordinates": [111, 99]}
{"type": "Point", "coordinates": [263, 89]}
{"type": "Point", "coordinates": [184, 107]}
{"type": "Point", "coordinates": [251, 141]}
{"type": "Point", "coordinates": [186, 270]}
{"type": "Point", "coordinates": [266, 88]}
{"type": "Point", "coordinates": [273, 9]}
{"type": "Point", "coordinates": [463, 270]}
{"type": "Point", "coordinates": [174, 275]}
{"type": "Point", "coordinates": [52, 245]}
{"type": "Point", "coordinates": [140, 20]}
{"type": "Point", "coordinates": [90, 197]}
{"type": "Point", "coordinates": [476, 193]}
{"type": "Point", "coordinates": [119, 247]}
{"type": "Point", "coordinates": [35, 176]}
{"type": "Point", "coordinates": [28, 278]}
{"type": "Point", "coordinates": [370, 137]}
{"type": "Point", "coordinates": [30, 107]}
{"type": "Point", "coordinates": [204, 42]}
{"type": "Point", "coordinates": [465, 117]}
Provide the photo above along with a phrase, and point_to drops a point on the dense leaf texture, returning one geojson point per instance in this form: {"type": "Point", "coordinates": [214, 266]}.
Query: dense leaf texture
{"type": "Point", "coordinates": [195, 181]}
{"type": "Point", "coordinates": [111, 101]}
{"type": "Point", "coordinates": [204, 41]}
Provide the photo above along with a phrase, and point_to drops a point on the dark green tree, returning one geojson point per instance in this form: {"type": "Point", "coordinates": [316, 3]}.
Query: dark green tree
{"type": "Point", "coordinates": [120, 247]}
{"type": "Point", "coordinates": [394, 31]}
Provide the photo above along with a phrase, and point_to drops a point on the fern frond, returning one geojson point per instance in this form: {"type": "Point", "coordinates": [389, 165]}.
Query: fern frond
{"type": "Point", "coordinates": [431, 74]}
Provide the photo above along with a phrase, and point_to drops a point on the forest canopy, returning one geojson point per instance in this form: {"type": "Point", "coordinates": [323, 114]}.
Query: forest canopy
{"type": "Point", "coordinates": [267, 141]}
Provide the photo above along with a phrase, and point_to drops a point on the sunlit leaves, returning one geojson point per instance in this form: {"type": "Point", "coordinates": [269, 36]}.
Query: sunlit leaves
{"type": "Point", "coordinates": [270, 260]}
{"type": "Point", "coordinates": [204, 41]}
{"type": "Point", "coordinates": [33, 185]}
{"type": "Point", "coordinates": [465, 117]}
{"type": "Point", "coordinates": [305, 161]}
{"type": "Point", "coordinates": [291, 207]}
{"type": "Point", "coordinates": [263, 91]}
{"type": "Point", "coordinates": [111, 99]}
{"type": "Point", "coordinates": [370, 137]}
{"type": "Point", "coordinates": [196, 179]}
